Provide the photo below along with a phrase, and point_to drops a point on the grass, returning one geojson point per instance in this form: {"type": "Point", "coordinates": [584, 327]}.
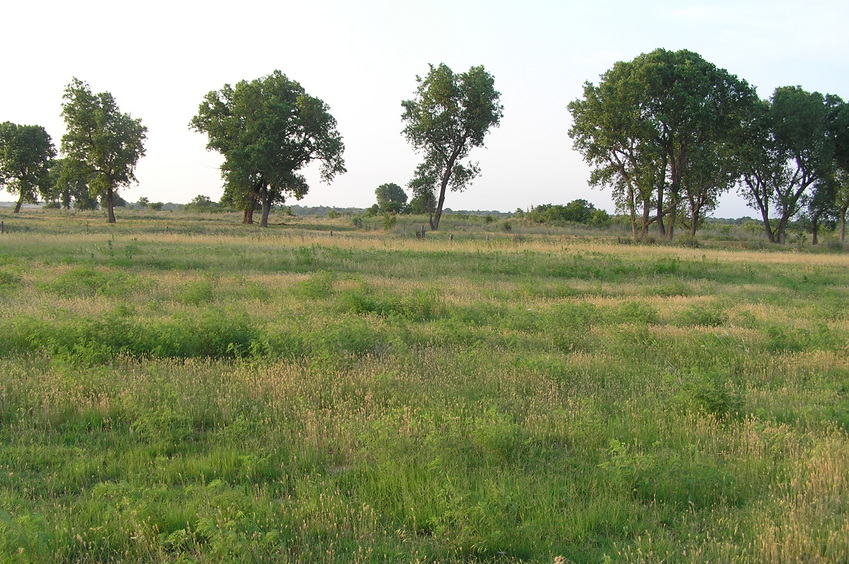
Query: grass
{"type": "Point", "coordinates": [217, 393]}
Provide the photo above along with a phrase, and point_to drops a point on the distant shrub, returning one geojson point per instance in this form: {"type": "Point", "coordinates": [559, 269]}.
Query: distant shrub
{"type": "Point", "coordinates": [668, 289]}
{"type": "Point", "coordinates": [709, 393]}
{"type": "Point", "coordinates": [703, 315]}
{"type": "Point", "coordinates": [637, 313]}
{"type": "Point", "coordinates": [196, 293]}
{"type": "Point", "coordinates": [7, 279]}
{"type": "Point", "coordinates": [316, 287]}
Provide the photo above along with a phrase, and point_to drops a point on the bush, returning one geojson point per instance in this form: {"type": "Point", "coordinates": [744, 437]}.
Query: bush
{"type": "Point", "coordinates": [709, 393]}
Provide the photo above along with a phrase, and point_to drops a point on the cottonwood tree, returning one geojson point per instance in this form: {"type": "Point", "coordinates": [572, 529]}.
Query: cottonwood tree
{"type": "Point", "coordinates": [26, 154]}
{"type": "Point", "coordinates": [268, 129]}
{"type": "Point", "coordinates": [450, 115]}
{"type": "Point", "coordinates": [101, 143]}
{"type": "Point", "coordinates": [788, 148]}
{"type": "Point", "coordinates": [712, 170]}
{"type": "Point", "coordinates": [391, 198]}
{"type": "Point", "coordinates": [645, 127]}
{"type": "Point", "coordinates": [608, 130]}
{"type": "Point", "coordinates": [840, 133]}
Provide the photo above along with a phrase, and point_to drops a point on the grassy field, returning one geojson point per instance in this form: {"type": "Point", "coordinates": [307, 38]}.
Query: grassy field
{"type": "Point", "coordinates": [188, 389]}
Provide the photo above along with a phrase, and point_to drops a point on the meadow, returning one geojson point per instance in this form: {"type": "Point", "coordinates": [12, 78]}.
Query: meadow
{"type": "Point", "coordinates": [179, 388]}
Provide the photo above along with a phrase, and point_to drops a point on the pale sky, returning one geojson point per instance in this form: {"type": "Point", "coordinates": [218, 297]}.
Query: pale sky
{"type": "Point", "coordinates": [158, 59]}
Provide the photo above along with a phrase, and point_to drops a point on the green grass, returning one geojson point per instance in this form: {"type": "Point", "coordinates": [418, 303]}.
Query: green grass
{"type": "Point", "coordinates": [219, 393]}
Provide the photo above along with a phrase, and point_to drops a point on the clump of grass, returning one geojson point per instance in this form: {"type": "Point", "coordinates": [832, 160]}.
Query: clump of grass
{"type": "Point", "coordinates": [89, 281]}
{"type": "Point", "coordinates": [8, 280]}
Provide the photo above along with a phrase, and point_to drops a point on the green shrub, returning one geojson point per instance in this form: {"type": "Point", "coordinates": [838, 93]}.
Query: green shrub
{"type": "Point", "coordinates": [88, 281]}
{"type": "Point", "coordinates": [316, 287]}
{"type": "Point", "coordinates": [197, 293]}
{"type": "Point", "coordinates": [709, 393]}
{"type": "Point", "coordinates": [703, 315]}
{"type": "Point", "coordinates": [636, 312]}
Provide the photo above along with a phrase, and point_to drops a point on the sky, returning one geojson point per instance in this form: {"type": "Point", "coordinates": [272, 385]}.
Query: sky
{"type": "Point", "coordinates": [158, 59]}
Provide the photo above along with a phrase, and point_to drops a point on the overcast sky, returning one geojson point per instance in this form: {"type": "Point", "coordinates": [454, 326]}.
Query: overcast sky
{"type": "Point", "coordinates": [159, 59]}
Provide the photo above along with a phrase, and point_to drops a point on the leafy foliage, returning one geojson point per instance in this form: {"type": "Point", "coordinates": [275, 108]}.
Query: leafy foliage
{"type": "Point", "coordinates": [26, 152]}
{"type": "Point", "coordinates": [450, 115]}
{"type": "Point", "coordinates": [102, 144]}
{"type": "Point", "coordinates": [391, 198]}
{"type": "Point", "coordinates": [655, 130]}
{"type": "Point", "coordinates": [268, 129]}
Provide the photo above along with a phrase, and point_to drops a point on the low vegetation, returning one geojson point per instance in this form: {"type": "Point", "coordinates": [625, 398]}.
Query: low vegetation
{"type": "Point", "coordinates": [203, 391]}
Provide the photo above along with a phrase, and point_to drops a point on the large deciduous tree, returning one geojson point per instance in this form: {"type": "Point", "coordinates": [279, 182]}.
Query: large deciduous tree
{"type": "Point", "coordinates": [651, 128]}
{"type": "Point", "coordinates": [450, 115]}
{"type": "Point", "coordinates": [26, 153]}
{"type": "Point", "coordinates": [101, 143]}
{"type": "Point", "coordinates": [788, 148]}
{"type": "Point", "coordinates": [268, 129]}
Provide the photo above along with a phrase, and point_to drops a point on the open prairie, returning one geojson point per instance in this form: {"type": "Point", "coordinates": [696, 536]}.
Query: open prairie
{"type": "Point", "coordinates": [179, 388]}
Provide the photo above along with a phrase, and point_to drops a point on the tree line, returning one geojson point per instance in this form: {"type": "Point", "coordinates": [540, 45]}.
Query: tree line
{"type": "Point", "coordinates": [669, 133]}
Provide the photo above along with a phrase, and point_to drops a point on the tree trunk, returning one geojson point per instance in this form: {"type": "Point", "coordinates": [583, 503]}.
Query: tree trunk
{"type": "Point", "coordinates": [644, 229]}
{"type": "Point", "coordinates": [434, 218]}
{"type": "Point", "coordinates": [770, 236]}
{"type": "Point", "coordinates": [843, 224]}
{"type": "Point", "coordinates": [20, 203]}
{"type": "Point", "coordinates": [661, 229]}
{"type": "Point", "coordinates": [782, 230]}
{"type": "Point", "coordinates": [673, 219]}
{"type": "Point", "coordinates": [694, 218]}
{"type": "Point", "coordinates": [814, 231]}
{"type": "Point", "coordinates": [266, 211]}
{"type": "Point", "coordinates": [248, 217]}
{"type": "Point", "coordinates": [110, 205]}
{"type": "Point", "coordinates": [446, 176]}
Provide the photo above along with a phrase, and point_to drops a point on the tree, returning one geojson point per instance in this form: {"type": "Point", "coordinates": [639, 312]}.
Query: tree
{"type": "Point", "coordinates": [822, 205]}
{"type": "Point", "coordinates": [268, 129]}
{"type": "Point", "coordinates": [840, 133]}
{"type": "Point", "coordinates": [712, 171]}
{"type": "Point", "coordinates": [70, 184]}
{"type": "Point", "coordinates": [450, 115]}
{"type": "Point", "coordinates": [101, 143]}
{"type": "Point", "coordinates": [391, 198]}
{"type": "Point", "coordinates": [644, 126]}
{"type": "Point", "coordinates": [788, 147]}
{"type": "Point", "coordinates": [26, 153]}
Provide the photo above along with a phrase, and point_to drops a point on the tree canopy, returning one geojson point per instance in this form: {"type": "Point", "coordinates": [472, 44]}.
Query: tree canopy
{"type": "Point", "coordinates": [26, 153]}
{"type": "Point", "coordinates": [787, 149]}
{"type": "Point", "coordinates": [391, 198]}
{"type": "Point", "coordinates": [656, 130]}
{"type": "Point", "coordinates": [101, 143]}
{"type": "Point", "coordinates": [450, 115]}
{"type": "Point", "coordinates": [268, 129]}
